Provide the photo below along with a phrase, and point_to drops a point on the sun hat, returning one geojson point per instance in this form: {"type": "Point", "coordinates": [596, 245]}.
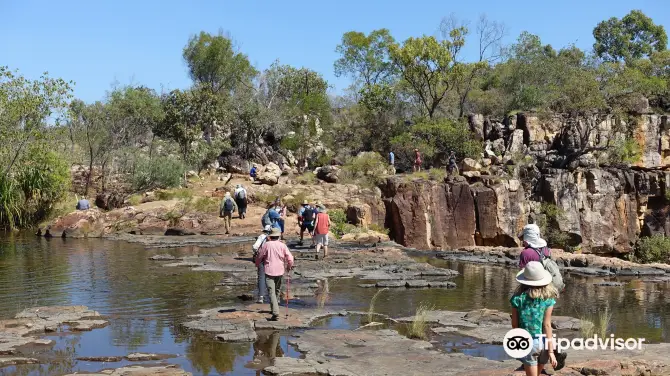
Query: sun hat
{"type": "Point", "coordinates": [268, 228]}
{"type": "Point", "coordinates": [531, 235]}
{"type": "Point", "coordinates": [304, 202]}
{"type": "Point", "coordinates": [275, 233]}
{"type": "Point", "coordinates": [534, 274]}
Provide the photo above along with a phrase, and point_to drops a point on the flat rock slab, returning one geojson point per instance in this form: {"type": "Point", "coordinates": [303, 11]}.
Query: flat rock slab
{"type": "Point", "coordinates": [391, 284]}
{"type": "Point", "coordinates": [143, 357]}
{"type": "Point", "coordinates": [378, 352]}
{"type": "Point", "coordinates": [168, 370]}
{"type": "Point", "coordinates": [164, 257]}
{"type": "Point", "coordinates": [15, 361]}
{"type": "Point", "coordinates": [441, 284]}
{"type": "Point", "coordinates": [20, 331]}
{"type": "Point", "coordinates": [104, 359]}
{"type": "Point", "coordinates": [238, 323]}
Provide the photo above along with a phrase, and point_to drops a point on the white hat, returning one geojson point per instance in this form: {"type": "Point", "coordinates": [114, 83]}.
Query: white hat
{"type": "Point", "coordinates": [531, 235]}
{"type": "Point", "coordinates": [534, 274]}
{"type": "Point", "coordinates": [275, 233]}
{"type": "Point", "coordinates": [267, 228]}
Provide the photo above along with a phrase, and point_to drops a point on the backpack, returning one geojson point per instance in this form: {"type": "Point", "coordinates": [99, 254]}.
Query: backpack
{"type": "Point", "coordinates": [552, 267]}
{"type": "Point", "coordinates": [308, 215]}
{"type": "Point", "coordinates": [241, 195]}
{"type": "Point", "coordinates": [266, 221]}
{"type": "Point", "coordinates": [228, 206]}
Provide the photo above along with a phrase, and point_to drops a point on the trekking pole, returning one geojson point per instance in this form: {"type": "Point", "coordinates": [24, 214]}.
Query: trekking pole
{"type": "Point", "coordinates": [288, 289]}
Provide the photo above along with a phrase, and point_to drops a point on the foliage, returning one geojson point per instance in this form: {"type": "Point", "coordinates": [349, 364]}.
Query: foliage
{"type": "Point", "coordinates": [625, 151]}
{"type": "Point", "coordinates": [371, 308]}
{"type": "Point", "coordinates": [435, 140]}
{"type": "Point", "coordinates": [632, 37]}
{"type": "Point", "coordinates": [366, 57]}
{"type": "Point", "coordinates": [368, 168]}
{"type": "Point", "coordinates": [427, 66]}
{"type": "Point", "coordinates": [596, 324]}
{"type": "Point", "coordinates": [548, 224]}
{"type": "Point", "coordinates": [204, 205]}
{"type": "Point", "coordinates": [160, 172]}
{"type": "Point", "coordinates": [307, 178]}
{"type": "Point", "coordinates": [652, 249]}
{"type": "Point", "coordinates": [418, 328]}
{"type": "Point", "coordinates": [339, 219]}
{"type": "Point", "coordinates": [174, 194]}
{"type": "Point", "coordinates": [213, 62]}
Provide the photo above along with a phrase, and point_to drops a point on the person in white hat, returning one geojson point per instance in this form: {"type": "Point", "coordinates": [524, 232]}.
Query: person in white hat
{"type": "Point", "coordinates": [533, 245]}
{"type": "Point", "coordinates": [532, 306]}
{"type": "Point", "coordinates": [261, 268]}
{"type": "Point", "coordinates": [276, 259]}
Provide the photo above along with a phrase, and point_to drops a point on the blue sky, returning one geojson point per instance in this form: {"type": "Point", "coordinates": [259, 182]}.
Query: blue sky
{"type": "Point", "coordinates": [96, 43]}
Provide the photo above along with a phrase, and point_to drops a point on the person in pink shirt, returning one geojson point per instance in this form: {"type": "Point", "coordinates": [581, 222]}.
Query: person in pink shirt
{"type": "Point", "coordinates": [277, 259]}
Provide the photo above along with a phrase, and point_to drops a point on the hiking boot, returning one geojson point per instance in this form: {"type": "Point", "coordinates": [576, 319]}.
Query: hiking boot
{"type": "Point", "coordinates": [560, 359]}
{"type": "Point", "coordinates": [274, 318]}
{"type": "Point", "coordinates": [300, 243]}
{"type": "Point", "coordinates": [260, 300]}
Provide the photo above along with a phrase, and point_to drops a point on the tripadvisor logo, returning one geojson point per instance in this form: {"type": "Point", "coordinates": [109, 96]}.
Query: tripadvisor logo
{"type": "Point", "coordinates": [518, 343]}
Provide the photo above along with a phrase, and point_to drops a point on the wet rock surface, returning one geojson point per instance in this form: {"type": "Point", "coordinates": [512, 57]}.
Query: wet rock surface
{"type": "Point", "coordinates": [165, 370]}
{"type": "Point", "coordinates": [21, 330]}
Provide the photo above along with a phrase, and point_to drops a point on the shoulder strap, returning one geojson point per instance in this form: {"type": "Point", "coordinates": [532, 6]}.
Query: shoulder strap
{"type": "Point", "coordinates": [540, 253]}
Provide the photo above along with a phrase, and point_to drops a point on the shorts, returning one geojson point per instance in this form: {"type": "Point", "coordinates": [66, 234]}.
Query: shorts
{"type": "Point", "coordinates": [537, 356]}
{"type": "Point", "coordinates": [307, 226]}
{"type": "Point", "coordinates": [321, 239]}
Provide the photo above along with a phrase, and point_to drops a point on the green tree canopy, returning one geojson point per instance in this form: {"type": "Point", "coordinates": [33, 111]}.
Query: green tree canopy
{"type": "Point", "coordinates": [365, 58]}
{"type": "Point", "coordinates": [212, 61]}
{"type": "Point", "coordinates": [632, 37]}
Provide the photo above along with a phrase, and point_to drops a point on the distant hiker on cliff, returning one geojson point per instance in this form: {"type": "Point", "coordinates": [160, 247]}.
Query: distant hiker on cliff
{"type": "Point", "coordinates": [306, 216]}
{"type": "Point", "coordinates": [452, 163]}
{"type": "Point", "coordinates": [276, 259]}
{"type": "Point", "coordinates": [83, 204]}
{"type": "Point", "coordinates": [321, 229]}
{"type": "Point", "coordinates": [262, 289]}
{"type": "Point", "coordinates": [417, 160]}
{"type": "Point", "coordinates": [254, 172]}
{"type": "Point", "coordinates": [535, 249]}
{"type": "Point", "coordinates": [226, 210]}
{"type": "Point", "coordinates": [392, 161]}
{"type": "Point", "coordinates": [241, 200]}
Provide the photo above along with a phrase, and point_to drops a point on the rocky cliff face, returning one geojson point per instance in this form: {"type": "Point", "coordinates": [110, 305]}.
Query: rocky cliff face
{"type": "Point", "coordinates": [530, 162]}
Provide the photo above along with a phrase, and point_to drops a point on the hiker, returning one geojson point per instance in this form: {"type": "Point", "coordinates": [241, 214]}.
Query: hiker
{"type": "Point", "coordinates": [271, 217]}
{"type": "Point", "coordinates": [83, 204]}
{"type": "Point", "coordinates": [392, 162]}
{"type": "Point", "coordinates": [452, 163]}
{"type": "Point", "coordinates": [532, 305]}
{"type": "Point", "coordinates": [261, 269]}
{"type": "Point", "coordinates": [321, 229]}
{"type": "Point", "coordinates": [241, 200]}
{"type": "Point", "coordinates": [532, 243]}
{"type": "Point", "coordinates": [276, 259]}
{"type": "Point", "coordinates": [535, 249]}
{"type": "Point", "coordinates": [281, 209]}
{"type": "Point", "coordinates": [306, 215]}
{"type": "Point", "coordinates": [417, 160]}
{"type": "Point", "coordinates": [254, 172]}
{"type": "Point", "coordinates": [226, 210]}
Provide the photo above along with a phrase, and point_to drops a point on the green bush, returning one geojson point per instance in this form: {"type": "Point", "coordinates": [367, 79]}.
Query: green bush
{"type": "Point", "coordinates": [160, 172]}
{"type": "Point", "coordinates": [174, 194]}
{"type": "Point", "coordinates": [628, 151]}
{"type": "Point", "coordinates": [205, 205]}
{"type": "Point", "coordinates": [339, 219]}
{"type": "Point", "coordinates": [41, 180]}
{"type": "Point", "coordinates": [366, 169]}
{"type": "Point", "coordinates": [652, 249]}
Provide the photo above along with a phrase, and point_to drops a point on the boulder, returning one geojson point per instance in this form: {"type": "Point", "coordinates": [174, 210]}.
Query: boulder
{"type": "Point", "coordinates": [109, 200]}
{"type": "Point", "coordinates": [516, 142]}
{"type": "Point", "coordinates": [234, 164]}
{"type": "Point", "coordinates": [470, 164]}
{"type": "Point", "coordinates": [270, 174]}
{"type": "Point", "coordinates": [476, 122]}
{"type": "Point", "coordinates": [329, 174]}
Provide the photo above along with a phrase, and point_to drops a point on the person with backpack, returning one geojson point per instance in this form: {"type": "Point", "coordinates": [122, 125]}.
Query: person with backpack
{"type": "Point", "coordinates": [532, 306]}
{"type": "Point", "coordinates": [271, 217]}
{"type": "Point", "coordinates": [535, 249]}
{"type": "Point", "coordinates": [226, 210]}
{"type": "Point", "coordinates": [321, 229]}
{"type": "Point", "coordinates": [306, 215]}
{"type": "Point", "coordinates": [452, 163]}
{"type": "Point", "coordinates": [241, 200]}
{"type": "Point", "coordinates": [277, 260]}
{"type": "Point", "coordinates": [260, 269]}
{"type": "Point", "coordinates": [280, 207]}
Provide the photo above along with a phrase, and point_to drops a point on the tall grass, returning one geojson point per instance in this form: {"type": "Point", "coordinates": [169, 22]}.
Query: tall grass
{"type": "Point", "coordinates": [323, 293]}
{"type": "Point", "coordinates": [596, 324]}
{"type": "Point", "coordinates": [371, 309]}
{"type": "Point", "coordinates": [11, 214]}
{"type": "Point", "coordinates": [419, 326]}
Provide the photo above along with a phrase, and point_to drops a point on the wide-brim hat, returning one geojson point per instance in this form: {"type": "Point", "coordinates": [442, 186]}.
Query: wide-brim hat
{"type": "Point", "coordinates": [534, 274]}
{"type": "Point", "coordinates": [531, 235]}
{"type": "Point", "coordinates": [305, 202]}
{"type": "Point", "coordinates": [275, 233]}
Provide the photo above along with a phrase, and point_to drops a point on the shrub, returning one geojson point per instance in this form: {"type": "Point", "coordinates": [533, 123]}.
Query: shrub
{"type": "Point", "coordinates": [175, 194]}
{"type": "Point", "coordinates": [135, 200]}
{"type": "Point", "coordinates": [163, 172]}
{"type": "Point", "coordinates": [419, 326]}
{"type": "Point", "coordinates": [652, 249]}
{"type": "Point", "coordinates": [627, 151]}
{"type": "Point", "coordinates": [366, 169]}
{"type": "Point", "coordinates": [339, 219]}
{"type": "Point", "coordinates": [548, 225]}
{"type": "Point", "coordinates": [205, 205]}
{"type": "Point", "coordinates": [306, 178]}
{"type": "Point", "coordinates": [377, 228]}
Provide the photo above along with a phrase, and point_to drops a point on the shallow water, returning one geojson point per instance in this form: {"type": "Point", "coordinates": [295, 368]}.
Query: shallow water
{"type": "Point", "coordinates": [147, 303]}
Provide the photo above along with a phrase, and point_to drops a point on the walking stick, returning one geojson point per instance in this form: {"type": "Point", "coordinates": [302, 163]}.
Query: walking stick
{"type": "Point", "coordinates": [288, 289]}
